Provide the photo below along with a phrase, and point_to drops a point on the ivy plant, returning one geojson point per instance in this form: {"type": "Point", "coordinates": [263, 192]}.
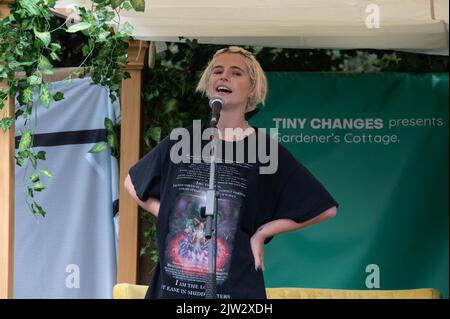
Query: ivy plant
{"type": "Point", "coordinates": [27, 45]}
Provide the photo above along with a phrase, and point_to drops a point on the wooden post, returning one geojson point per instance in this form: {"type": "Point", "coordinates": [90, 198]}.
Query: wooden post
{"type": "Point", "coordinates": [7, 202]}
{"type": "Point", "coordinates": [7, 147]}
{"type": "Point", "coordinates": [127, 270]}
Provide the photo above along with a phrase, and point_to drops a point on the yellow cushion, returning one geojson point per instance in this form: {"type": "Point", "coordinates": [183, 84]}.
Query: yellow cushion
{"type": "Point", "coordinates": [312, 293]}
{"type": "Point", "coordinates": [129, 291]}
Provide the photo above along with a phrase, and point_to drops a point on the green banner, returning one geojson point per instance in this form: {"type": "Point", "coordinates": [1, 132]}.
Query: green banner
{"type": "Point", "coordinates": [379, 144]}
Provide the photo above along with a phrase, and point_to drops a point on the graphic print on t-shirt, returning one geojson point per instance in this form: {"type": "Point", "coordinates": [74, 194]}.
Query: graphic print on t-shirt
{"type": "Point", "coordinates": [186, 254]}
{"type": "Point", "coordinates": [187, 247]}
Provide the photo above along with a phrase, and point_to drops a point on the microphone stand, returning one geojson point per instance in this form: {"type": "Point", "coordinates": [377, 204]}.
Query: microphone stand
{"type": "Point", "coordinates": [211, 218]}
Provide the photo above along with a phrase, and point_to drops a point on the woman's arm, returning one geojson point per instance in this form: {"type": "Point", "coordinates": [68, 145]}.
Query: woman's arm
{"type": "Point", "coordinates": [151, 204]}
{"type": "Point", "coordinates": [280, 226]}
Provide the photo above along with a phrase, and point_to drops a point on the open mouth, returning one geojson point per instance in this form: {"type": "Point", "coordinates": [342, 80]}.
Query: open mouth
{"type": "Point", "coordinates": [223, 89]}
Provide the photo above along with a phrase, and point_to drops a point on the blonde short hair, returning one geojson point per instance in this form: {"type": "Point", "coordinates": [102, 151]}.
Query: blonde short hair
{"type": "Point", "coordinates": [256, 73]}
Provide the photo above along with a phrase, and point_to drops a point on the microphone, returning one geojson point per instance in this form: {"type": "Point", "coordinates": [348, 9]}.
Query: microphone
{"type": "Point", "coordinates": [215, 103]}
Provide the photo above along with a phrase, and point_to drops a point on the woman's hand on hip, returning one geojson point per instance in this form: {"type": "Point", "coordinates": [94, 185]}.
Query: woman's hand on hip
{"type": "Point", "coordinates": [257, 245]}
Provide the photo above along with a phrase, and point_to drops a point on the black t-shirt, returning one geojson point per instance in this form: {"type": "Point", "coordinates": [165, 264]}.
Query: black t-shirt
{"type": "Point", "coordinates": [247, 200]}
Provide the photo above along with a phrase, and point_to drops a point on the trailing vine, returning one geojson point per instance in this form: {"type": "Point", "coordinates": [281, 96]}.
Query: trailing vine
{"type": "Point", "coordinates": [28, 45]}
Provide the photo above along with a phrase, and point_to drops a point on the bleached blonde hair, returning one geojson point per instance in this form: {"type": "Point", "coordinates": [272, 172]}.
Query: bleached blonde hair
{"type": "Point", "coordinates": [257, 77]}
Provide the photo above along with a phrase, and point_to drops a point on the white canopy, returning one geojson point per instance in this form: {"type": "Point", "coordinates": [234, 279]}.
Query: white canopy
{"type": "Point", "coordinates": [406, 25]}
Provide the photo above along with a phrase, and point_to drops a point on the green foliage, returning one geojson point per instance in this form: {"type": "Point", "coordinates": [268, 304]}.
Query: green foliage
{"type": "Point", "coordinates": [97, 148]}
{"type": "Point", "coordinates": [138, 5]}
{"type": "Point", "coordinates": [58, 96]}
{"type": "Point", "coordinates": [149, 236]}
{"type": "Point", "coordinates": [169, 98]}
{"type": "Point", "coordinates": [105, 51]}
{"type": "Point", "coordinates": [362, 61]}
{"type": "Point", "coordinates": [5, 123]}
{"type": "Point", "coordinates": [112, 140]}
{"type": "Point", "coordinates": [29, 43]}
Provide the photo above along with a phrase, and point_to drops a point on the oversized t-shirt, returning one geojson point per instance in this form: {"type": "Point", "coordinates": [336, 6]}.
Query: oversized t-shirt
{"type": "Point", "coordinates": [247, 199]}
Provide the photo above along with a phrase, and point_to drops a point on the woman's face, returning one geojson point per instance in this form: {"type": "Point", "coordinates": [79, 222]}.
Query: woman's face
{"type": "Point", "coordinates": [230, 80]}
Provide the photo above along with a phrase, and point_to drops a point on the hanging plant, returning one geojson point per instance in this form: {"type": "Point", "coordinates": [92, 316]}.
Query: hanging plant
{"type": "Point", "coordinates": [27, 45]}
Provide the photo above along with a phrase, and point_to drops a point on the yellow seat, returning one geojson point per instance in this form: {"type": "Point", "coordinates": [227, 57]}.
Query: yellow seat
{"type": "Point", "coordinates": [315, 293]}
{"type": "Point", "coordinates": [129, 291]}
